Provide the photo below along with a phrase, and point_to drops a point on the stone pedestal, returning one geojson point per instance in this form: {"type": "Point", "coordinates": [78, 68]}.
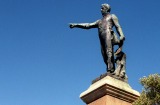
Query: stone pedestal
{"type": "Point", "coordinates": [109, 91]}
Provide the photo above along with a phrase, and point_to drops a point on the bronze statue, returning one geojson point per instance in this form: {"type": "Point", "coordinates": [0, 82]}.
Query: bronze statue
{"type": "Point", "coordinates": [108, 39]}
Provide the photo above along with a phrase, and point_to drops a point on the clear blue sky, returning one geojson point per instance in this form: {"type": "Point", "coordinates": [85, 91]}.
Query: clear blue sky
{"type": "Point", "coordinates": [44, 62]}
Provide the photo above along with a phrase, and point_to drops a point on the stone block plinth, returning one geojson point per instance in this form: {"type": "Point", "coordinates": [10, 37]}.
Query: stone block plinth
{"type": "Point", "coordinates": [109, 91]}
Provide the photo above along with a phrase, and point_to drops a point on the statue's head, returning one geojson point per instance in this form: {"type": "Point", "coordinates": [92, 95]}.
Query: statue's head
{"type": "Point", "coordinates": [105, 8]}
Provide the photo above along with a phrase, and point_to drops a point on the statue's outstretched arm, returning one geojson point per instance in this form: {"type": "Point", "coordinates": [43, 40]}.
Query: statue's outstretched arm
{"type": "Point", "coordinates": [84, 25]}
{"type": "Point", "coordinates": [118, 27]}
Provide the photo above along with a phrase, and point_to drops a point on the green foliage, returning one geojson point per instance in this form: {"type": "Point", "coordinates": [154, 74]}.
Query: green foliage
{"type": "Point", "coordinates": [151, 93]}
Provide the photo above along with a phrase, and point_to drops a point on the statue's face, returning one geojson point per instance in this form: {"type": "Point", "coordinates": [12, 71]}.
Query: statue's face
{"type": "Point", "coordinates": [104, 9]}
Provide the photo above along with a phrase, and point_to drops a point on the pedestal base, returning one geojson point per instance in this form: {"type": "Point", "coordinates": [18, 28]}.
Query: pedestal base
{"type": "Point", "coordinates": [109, 91]}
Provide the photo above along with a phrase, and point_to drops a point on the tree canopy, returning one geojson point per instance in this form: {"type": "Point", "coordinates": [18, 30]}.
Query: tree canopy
{"type": "Point", "coordinates": [151, 92]}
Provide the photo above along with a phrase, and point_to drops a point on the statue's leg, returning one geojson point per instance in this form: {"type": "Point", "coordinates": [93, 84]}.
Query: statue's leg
{"type": "Point", "coordinates": [104, 55]}
{"type": "Point", "coordinates": [109, 60]}
{"type": "Point", "coordinates": [103, 50]}
{"type": "Point", "coordinates": [110, 56]}
{"type": "Point", "coordinates": [107, 51]}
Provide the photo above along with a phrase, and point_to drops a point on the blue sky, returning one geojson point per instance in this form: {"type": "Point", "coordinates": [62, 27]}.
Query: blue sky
{"type": "Point", "coordinates": [44, 62]}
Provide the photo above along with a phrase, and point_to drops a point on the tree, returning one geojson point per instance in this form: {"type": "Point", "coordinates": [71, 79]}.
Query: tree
{"type": "Point", "coordinates": [151, 92]}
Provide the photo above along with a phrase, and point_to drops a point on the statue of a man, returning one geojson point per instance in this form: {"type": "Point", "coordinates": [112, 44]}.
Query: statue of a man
{"type": "Point", "coordinates": [106, 35]}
